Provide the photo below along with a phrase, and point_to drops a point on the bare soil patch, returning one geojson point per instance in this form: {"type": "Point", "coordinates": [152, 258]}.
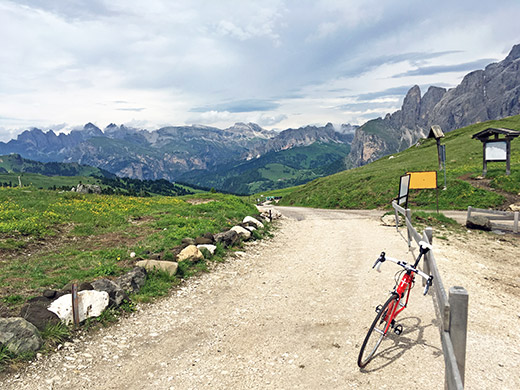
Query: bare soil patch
{"type": "Point", "coordinates": [199, 201]}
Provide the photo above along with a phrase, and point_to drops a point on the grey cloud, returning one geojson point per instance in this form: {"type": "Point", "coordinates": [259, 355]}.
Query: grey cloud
{"type": "Point", "coordinates": [131, 109]}
{"type": "Point", "coordinates": [396, 91]}
{"type": "Point", "coordinates": [363, 106]}
{"type": "Point", "coordinates": [430, 70]}
{"type": "Point", "coordinates": [366, 64]}
{"type": "Point", "coordinates": [71, 9]}
{"type": "Point", "coordinates": [248, 105]}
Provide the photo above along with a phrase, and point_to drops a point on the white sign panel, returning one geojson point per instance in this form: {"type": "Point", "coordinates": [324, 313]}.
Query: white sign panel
{"type": "Point", "coordinates": [403, 189]}
{"type": "Point", "coordinates": [496, 151]}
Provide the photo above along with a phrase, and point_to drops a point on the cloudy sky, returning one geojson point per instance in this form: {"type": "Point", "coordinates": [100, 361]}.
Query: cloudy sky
{"type": "Point", "coordinates": [281, 64]}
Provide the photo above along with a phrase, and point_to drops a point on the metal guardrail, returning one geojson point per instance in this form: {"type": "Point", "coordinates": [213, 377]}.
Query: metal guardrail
{"type": "Point", "coordinates": [451, 309]}
{"type": "Point", "coordinates": [496, 215]}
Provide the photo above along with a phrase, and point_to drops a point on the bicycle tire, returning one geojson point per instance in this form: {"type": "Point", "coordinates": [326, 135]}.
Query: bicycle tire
{"type": "Point", "coordinates": [376, 333]}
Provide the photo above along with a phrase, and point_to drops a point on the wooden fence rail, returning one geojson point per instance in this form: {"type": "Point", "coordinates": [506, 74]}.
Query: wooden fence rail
{"type": "Point", "coordinates": [451, 309]}
{"type": "Point", "coordinates": [496, 215]}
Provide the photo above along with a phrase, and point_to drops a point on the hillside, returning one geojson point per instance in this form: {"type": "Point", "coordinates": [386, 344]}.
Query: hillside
{"type": "Point", "coordinates": [274, 170]}
{"type": "Point", "coordinates": [15, 169]}
{"type": "Point", "coordinates": [14, 163]}
{"type": "Point", "coordinates": [375, 185]}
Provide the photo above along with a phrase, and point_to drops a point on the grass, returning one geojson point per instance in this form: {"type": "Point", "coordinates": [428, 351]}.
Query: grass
{"type": "Point", "coordinates": [46, 182]}
{"type": "Point", "coordinates": [80, 237]}
{"type": "Point", "coordinates": [158, 283]}
{"type": "Point", "coordinates": [438, 221]}
{"type": "Point", "coordinates": [376, 184]}
{"type": "Point", "coordinates": [55, 334]}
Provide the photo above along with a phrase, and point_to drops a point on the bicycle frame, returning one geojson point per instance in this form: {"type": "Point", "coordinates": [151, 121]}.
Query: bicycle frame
{"type": "Point", "coordinates": [403, 288]}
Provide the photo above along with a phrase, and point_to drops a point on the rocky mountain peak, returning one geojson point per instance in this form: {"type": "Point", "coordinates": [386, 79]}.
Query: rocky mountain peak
{"type": "Point", "coordinates": [90, 130]}
{"type": "Point", "coordinates": [249, 130]}
{"type": "Point", "coordinates": [514, 54]}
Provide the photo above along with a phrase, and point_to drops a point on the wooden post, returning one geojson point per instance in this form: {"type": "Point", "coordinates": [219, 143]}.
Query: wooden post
{"type": "Point", "coordinates": [439, 153]}
{"type": "Point", "coordinates": [459, 325]}
{"type": "Point", "coordinates": [508, 156]}
{"type": "Point", "coordinates": [484, 162]}
{"type": "Point", "coordinates": [75, 309]}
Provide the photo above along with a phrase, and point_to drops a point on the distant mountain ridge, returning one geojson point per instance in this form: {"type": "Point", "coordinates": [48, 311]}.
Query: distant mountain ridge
{"type": "Point", "coordinates": [175, 151]}
{"type": "Point", "coordinates": [492, 93]}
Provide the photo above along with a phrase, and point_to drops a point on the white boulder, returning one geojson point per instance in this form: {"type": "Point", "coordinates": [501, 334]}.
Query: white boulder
{"type": "Point", "coordinates": [91, 303]}
{"type": "Point", "coordinates": [253, 221]}
{"type": "Point", "coordinates": [243, 233]}
{"type": "Point", "coordinates": [209, 247]}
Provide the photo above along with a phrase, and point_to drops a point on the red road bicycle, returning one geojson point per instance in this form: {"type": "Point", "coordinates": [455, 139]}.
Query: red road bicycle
{"type": "Point", "coordinates": [395, 304]}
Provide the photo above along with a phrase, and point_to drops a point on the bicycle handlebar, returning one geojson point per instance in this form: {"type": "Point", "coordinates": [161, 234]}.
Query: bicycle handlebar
{"type": "Point", "coordinates": [408, 267]}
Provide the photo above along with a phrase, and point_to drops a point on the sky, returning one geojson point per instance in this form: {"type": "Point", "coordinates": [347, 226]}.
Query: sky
{"type": "Point", "coordinates": [280, 64]}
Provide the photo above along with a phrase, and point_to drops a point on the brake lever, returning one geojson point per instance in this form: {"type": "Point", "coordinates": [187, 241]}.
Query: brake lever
{"type": "Point", "coordinates": [429, 282]}
{"type": "Point", "coordinates": [381, 259]}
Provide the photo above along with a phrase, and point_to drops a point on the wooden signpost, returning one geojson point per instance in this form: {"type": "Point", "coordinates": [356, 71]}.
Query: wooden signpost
{"type": "Point", "coordinates": [436, 132]}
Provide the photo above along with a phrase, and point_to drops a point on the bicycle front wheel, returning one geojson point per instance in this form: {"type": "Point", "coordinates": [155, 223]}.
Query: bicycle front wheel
{"type": "Point", "coordinates": [377, 331]}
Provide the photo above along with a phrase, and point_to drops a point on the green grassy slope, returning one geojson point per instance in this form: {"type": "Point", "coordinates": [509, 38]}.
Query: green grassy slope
{"type": "Point", "coordinates": [82, 237]}
{"type": "Point", "coordinates": [275, 170]}
{"type": "Point", "coordinates": [376, 184]}
{"type": "Point", "coordinates": [53, 175]}
{"type": "Point", "coordinates": [42, 181]}
{"type": "Point", "coordinates": [14, 163]}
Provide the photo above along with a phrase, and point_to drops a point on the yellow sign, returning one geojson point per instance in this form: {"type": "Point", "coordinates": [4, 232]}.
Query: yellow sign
{"type": "Point", "coordinates": [423, 180]}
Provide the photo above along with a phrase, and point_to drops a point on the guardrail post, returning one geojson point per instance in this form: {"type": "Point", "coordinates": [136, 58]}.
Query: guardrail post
{"type": "Point", "coordinates": [515, 223]}
{"type": "Point", "coordinates": [408, 216]}
{"type": "Point", "coordinates": [469, 213]}
{"type": "Point", "coordinates": [458, 299]}
{"type": "Point", "coordinates": [429, 234]}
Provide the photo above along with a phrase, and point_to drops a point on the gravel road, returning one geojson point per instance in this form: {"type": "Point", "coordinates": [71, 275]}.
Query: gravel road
{"type": "Point", "coordinates": [288, 312]}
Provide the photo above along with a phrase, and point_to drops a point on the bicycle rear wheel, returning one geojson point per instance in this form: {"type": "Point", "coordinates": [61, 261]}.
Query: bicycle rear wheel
{"type": "Point", "coordinates": [377, 332]}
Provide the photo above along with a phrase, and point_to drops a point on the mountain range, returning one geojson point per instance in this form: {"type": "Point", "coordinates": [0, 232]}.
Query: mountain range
{"type": "Point", "coordinates": [246, 158]}
{"type": "Point", "coordinates": [187, 153]}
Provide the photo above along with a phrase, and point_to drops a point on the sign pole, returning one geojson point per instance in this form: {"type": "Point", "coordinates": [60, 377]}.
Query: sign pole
{"type": "Point", "coordinates": [437, 190]}
{"type": "Point", "coordinates": [443, 158]}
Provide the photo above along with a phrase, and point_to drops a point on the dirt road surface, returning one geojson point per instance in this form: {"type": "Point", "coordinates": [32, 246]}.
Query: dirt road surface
{"type": "Point", "coordinates": [290, 312]}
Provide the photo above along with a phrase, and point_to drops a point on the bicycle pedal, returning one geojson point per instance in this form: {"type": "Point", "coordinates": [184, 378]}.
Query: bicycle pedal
{"type": "Point", "coordinates": [398, 329]}
{"type": "Point", "coordinates": [378, 308]}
